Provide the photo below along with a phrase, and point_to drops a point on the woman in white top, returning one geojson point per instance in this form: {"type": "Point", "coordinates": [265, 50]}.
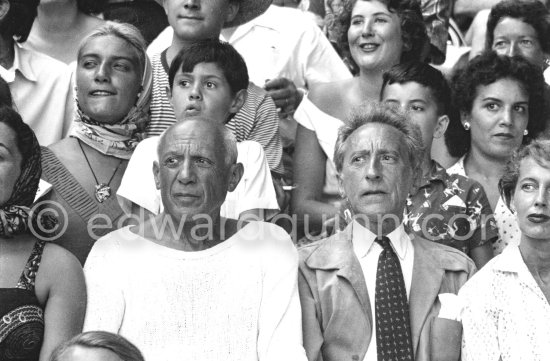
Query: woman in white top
{"type": "Point", "coordinates": [506, 313]}
{"type": "Point", "coordinates": [500, 100]}
{"type": "Point", "coordinates": [380, 34]}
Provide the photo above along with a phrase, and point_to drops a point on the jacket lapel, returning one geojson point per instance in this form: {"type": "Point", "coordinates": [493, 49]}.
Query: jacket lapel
{"type": "Point", "coordinates": [336, 253]}
{"type": "Point", "coordinates": [426, 283]}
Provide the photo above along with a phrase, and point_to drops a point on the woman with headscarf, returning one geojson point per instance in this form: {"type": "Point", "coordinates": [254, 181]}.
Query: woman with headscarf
{"type": "Point", "coordinates": [113, 80]}
{"type": "Point", "coordinates": [42, 289]}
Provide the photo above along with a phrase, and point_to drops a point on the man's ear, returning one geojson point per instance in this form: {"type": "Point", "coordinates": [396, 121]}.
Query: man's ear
{"type": "Point", "coordinates": [416, 180]}
{"type": "Point", "coordinates": [441, 126]}
{"type": "Point", "coordinates": [232, 10]}
{"type": "Point", "coordinates": [238, 101]}
{"type": "Point", "coordinates": [156, 173]}
{"type": "Point", "coordinates": [236, 173]}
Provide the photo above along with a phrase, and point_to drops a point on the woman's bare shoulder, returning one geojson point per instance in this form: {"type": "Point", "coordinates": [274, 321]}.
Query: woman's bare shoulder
{"type": "Point", "coordinates": [328, 96]}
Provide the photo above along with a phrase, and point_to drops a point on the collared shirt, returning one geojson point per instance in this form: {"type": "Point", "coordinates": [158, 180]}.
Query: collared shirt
{"type": "Point", "coordinates": [368, 251]}
{"type": "Point", "coordinates": [506, 315]}
{"type": "Point", "coordinates": [281, 42]}
{"type": "Point", "coordinates": [256, 120]}
{"type": "Point", "coordinates": [41, 88]}
{"type": "Point", "coordinates": [451, 209]}
{"type": "Point", "coordinates": [506, 221]}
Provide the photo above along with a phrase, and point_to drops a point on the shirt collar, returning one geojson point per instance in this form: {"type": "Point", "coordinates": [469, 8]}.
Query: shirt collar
{"type": "Point", "coordinates": [436, 174]}
{"type": "Point", "coordinates": [21, 63]}
{"type": "Point", "coordinates": [363, 240]}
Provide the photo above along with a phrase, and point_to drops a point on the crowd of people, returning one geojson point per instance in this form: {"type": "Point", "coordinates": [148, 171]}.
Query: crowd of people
{"type": "Point", "coordinates": [273, 180]}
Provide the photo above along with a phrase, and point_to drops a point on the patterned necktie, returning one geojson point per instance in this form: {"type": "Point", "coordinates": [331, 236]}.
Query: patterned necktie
{"type": "Point", "coordinates": [393, 327]}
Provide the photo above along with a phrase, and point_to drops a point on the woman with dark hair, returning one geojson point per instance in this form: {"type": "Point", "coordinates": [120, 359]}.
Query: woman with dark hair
{"type": "Point", "coordinates": [506, 313]}
{"type": "Point", "coordinates": [379, 34]}
{"type": "Point", "coordinates": [114, 81]}
{"type": "Point", "coordinates": [520, 28]}
{"type": "Point", "coordinates": [42, 289]}
{"type": "Point", "coordinates": [61, 25]}
{"type": "Point", "coordinates": [500, 100]}
{"type": "Point", "coordinates": [97, 345]}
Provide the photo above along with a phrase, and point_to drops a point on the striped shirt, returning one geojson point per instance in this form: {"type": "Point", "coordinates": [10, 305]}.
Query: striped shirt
{"type": "Point", "coordinates": [257, 119]}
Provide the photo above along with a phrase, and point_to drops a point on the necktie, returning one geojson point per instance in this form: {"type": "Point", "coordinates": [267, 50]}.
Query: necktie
{"type": "Point", "coordinates": [393, 327]}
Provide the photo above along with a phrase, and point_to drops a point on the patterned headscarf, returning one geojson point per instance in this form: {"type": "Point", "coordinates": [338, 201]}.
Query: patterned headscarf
{"type": "Point", "coordinates": [15, 213]}
{"type": "Point", "coordinates": [118, 140]}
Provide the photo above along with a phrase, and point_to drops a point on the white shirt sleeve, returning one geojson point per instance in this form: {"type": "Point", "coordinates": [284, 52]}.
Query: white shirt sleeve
{"type": "Point", "coordinates": [138, 183]}
{"type": "Point", "coordinates": [105, 306]}
{"type": "Point", "coordinates": [280, 318]}
{"type": "Point", "coordinates": [255, 190]}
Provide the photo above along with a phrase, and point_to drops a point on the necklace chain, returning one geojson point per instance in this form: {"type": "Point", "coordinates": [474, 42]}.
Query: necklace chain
{"type": "Point", "coordinates": [102, 190]}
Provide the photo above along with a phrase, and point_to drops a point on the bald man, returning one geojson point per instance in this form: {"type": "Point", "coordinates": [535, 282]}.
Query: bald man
{"type": "Point", "coordinates": [189, 284]}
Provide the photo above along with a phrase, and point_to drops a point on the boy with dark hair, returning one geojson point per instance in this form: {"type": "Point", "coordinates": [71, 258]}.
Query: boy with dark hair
{"type": "Point", "coordinates": [448, 209]}
{"type": "Point", "coordinates": [203, 20]}
{"type": "Point", "coordinates": [207, 79]}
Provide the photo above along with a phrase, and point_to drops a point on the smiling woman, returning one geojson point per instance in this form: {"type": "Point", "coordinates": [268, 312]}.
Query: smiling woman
{"type": "Point", "coordinates": [380, 34]}
{"type": "Point", "coordinates": [113, 79]}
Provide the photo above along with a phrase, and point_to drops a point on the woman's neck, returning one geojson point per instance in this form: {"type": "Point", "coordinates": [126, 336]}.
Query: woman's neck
{"type": "Point", "coordinates": [536, 255]}
{"type": "Point", "coordinates": [483, 165]}
{"type": "Point", "coordinates": [370, 84]}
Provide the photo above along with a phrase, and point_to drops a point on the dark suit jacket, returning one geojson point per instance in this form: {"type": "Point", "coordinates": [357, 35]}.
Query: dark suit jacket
{"type": "Point", "coordinates": [336, 312]}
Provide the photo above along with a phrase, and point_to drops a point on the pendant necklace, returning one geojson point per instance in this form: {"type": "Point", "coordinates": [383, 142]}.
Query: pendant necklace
{"type": "Point", "coordinates": [102, 190]}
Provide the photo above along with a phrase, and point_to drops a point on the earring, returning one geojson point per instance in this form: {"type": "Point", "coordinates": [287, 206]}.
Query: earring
{"type": "Point", "coordinates": [466, 125]}
{"type": "Point", "coordinates": [525, 132]}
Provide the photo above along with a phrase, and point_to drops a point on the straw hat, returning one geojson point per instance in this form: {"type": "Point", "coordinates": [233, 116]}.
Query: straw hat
{"type": "Point", "coordinates": [248, 10]}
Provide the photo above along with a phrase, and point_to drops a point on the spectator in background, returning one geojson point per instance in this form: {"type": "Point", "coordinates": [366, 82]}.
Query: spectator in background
{"type": "Point", "coordinates": [506, 312]}
{"type": "Point", "coordinates": [146, 15]}
{"type": "Point", "coordinates": [205, 287]}
{"type": "Point", "coordinates": [380, 34]}
{"type": "Point", "coordinates": [501, 103]}
{"type": "Point", "coordinates": [61, 25]}
{"type": "Point", "coordinates": [257, 118]}
{"type": "Point", "coordinates": [209, 79]}
{"type": "Point", "coordinates": [42, 289]}
{"type": "Point", "coordinates": [447, 209]}
{"type": "Point", "coordinates": [522, 28]}
{"type": "Point", "coordinates": [114, 80]}
{"type": "Point", "coordinates": [41, 86]}
{"type": "Point", "coordinates": [97, 346]}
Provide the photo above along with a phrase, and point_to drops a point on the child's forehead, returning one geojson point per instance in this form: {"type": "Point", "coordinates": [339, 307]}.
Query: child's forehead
{"type": "Point", "coordinates": [204, 68]}
{"type": "Point", "coordinates": [411, 90]}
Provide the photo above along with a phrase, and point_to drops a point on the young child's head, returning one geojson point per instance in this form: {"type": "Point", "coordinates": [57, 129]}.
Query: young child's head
{"type": "Point", "coordinates": [423, 93]}
{"type": "Point", "coordinates": [208, 78]}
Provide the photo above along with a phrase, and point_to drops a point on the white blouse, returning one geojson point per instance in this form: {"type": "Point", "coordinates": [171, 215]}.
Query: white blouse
{"type": "Point", "coordinates": [505, 316]}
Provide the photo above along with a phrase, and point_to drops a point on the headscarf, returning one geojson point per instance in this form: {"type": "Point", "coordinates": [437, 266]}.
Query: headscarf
{"type": "Point", "coordinates": [15, 214]}
{"type": "Point", "coordinates": [118, 140]}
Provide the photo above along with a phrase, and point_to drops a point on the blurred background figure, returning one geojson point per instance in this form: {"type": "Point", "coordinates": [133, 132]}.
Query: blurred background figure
{"type": "Point", "coordinates": [97, 346]}
{"type": "Point", "coordinates": [62, 24]}
{"type": "Point", "coordinates": [506, 312]}
{"type": "Point", "coordinates": [42, 289]}
{"type": "Point", "coordinates": [41, 86]}
{"type": "Point", "coordinates": [501, 103]}
{"type": "Point", "coordinates": [379, 34]}
{"type": "Point", "coordinates": [146, 15]}
{"type": "Point", "coordinates": [113, 79]}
